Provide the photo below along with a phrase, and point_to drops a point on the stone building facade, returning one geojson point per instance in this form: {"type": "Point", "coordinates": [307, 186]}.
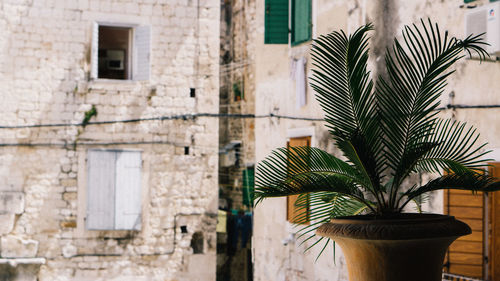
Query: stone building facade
{"type": "Point", "coordinates": [471, 95]}
{"type": "Point", "coordinates": [236, 137]}
{"type": "Point", "coordinates": [105, 174]}
{"type": "Point", "coordinates": [237, 86]}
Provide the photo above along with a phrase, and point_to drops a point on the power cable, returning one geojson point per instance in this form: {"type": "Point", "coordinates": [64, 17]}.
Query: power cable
{"type": "Point", "coordinates": [163, 118]}
{"type": "Point", "coordinates": [193, 116]}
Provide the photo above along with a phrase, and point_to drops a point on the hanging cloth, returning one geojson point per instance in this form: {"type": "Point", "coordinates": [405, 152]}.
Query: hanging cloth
{"type": "Point", "coordinates": [300, 81]}
{"type": "Point", "coordinates": [221, 221]}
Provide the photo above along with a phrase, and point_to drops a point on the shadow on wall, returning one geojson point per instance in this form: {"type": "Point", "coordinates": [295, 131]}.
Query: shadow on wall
{"type": "Point", "coordinates": [20, 272]}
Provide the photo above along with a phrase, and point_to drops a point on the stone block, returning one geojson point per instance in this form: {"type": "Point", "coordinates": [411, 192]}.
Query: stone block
{"type": "Point", "coordinates": [12, 202]}
{"type": "Point", "coordinates": [66, 168]}
{"type": "Point", "coordinates": [68, 196]}
{"type": "Point", "coordinates": [15, 247]}
{"type": "Point", "coordinates": [68, 182]}
{"type": "Point", "coordinates": [69, 251]}
{"type": "Point", "coordinates": [6, 223]}
{"type": "Point", "coordinates": [68, 224]}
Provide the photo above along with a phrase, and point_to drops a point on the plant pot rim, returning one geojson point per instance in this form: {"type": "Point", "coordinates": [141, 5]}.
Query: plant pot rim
{"type": "Point", "coordinates": [405, 226]}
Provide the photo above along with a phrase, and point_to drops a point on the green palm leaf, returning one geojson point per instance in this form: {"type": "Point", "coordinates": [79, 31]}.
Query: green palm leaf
{"type": "Point", "coordinates": [299, 170]}
{"type": "Point", "coordinates": [344, 91]}
{"type": "Point", "coordinates": [408, 98]}
{"type": "Point", "coordinates": [455, 148]}
{"type": "Point", "coordinates": [464, 180]}
{"type": "Point", "coordinates": [317, 208]}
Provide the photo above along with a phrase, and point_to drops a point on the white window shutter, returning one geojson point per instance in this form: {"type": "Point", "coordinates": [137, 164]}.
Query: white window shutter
{"type": "Point", "coordinates": [142, 53]}
{"type": "Point", "coordinates": [94, 60]}
{"type": "Point", "coordinates": [128, 190]}
{"type": "Point", "coordinates": [100, 189]}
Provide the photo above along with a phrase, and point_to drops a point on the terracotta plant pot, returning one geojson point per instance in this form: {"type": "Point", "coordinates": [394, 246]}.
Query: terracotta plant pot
{"type": "Point", "coordinates": [410, 247]}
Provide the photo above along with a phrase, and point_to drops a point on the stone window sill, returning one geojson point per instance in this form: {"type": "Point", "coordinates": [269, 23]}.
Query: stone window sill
{"type": "Point", "coordinates": [16, 261]}
{"type": "Point", "coordinates": [114, 84]}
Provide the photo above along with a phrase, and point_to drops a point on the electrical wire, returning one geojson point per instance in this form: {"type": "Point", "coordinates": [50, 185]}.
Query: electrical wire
{"type": "Point", "coordinates": [187, 117]}
{"type": "Point", "coordinates": [462, 106]}
{"type": "Point", "coordinates": [163, 118]}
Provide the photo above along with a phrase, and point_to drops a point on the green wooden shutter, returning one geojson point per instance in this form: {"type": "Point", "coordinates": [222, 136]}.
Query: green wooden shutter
{"type": "Point", "coordinates": [301, 21]}
{"type": "Point", "coordinates": [248, 186]}
{"type": "Point", "coordinates": [276, 22]}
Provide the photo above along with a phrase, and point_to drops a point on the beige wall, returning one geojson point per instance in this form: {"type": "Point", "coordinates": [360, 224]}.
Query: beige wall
{"type": "Point", "coordinates": [472, 84]}
{"type": "Point", "coordinates": [275, 93]}
{"type": "Point", "coordinates": [44, 78]}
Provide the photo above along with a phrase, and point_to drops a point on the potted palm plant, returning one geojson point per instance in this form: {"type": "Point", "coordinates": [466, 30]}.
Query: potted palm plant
{"type": "Point", "coordinates": [387, 131]}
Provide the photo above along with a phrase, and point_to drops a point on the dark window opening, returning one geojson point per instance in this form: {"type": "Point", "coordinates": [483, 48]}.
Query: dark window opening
{"type": "Point", "coordinates": [238, 91]}
{"type": "Point", "coordinates": [197, 243]}
{"type": "Point", "coordinates": [114, 51]}
{"type": "Point", "coordinates": [184, 229]}
{"type": "Point", "coordinates": [192, 92]}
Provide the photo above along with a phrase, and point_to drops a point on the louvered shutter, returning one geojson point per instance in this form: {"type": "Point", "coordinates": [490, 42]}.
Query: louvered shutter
{"type": "Point", "coordinates": [276, 22]}
{"type": "Point", "coordinates": [94, 53]}
{"type": "Point", "coordinates": [301, 21]}
{"type": "Point", "coordinates": [292, 211]}
{"type": "Point", "coordinates": [466, 255]}
{"type": "Point", "coordinates": [494, 227]}
{"type": "Point", "coordinates": [128, 190]}
{"type": "Point", "coordinates": [142, 53]}
{"type": "Point", "coordinates": [248, 186]}
{"type": "Point", "coordinates": [114, 190]}
{"type": "Point", "coordinates": [100, 190]}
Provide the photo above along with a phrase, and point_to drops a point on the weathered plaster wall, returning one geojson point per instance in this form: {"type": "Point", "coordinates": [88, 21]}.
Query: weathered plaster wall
{"type": "Point", "coordinates": [472, 84]}
{"type": "Point", "coordinates": [275, 93]}
{"type": "Point", "coordinates": [44, 79]}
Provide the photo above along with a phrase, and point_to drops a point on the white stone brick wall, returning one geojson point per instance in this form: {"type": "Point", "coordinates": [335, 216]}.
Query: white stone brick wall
{"type": "Point", "coordinates": [44, 79]}
{"type": "Point", "coordinates": [473, 83]}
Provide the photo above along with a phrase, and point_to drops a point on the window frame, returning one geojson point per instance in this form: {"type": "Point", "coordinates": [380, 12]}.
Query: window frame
{"type": "Point", "coordinates": [291, 133]}
{"type": "Point", "coordinates": [82, 194]}
{"type": "Point", "coordinates": [132, 55]}
{"type": "Point", "coordinates": [291, 200]}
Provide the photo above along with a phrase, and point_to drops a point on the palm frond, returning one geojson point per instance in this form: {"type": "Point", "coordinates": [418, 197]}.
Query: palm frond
{"type": "Point", "coordinates": [344, 90]}
{"type": "Point", "coordinates": [464, 180]}
{"type": "Point", "coordinates": [315, 209]}
{"type": "Point", "coordinates": [455, 148]}
{"type": "Point", "coordinates": [299, 170]}
{"type": "Point", "coordinates": [342, 80]}
{"type": "Point", "coordinates": [417, 72]}
{"type": "Point", "coordinates": [419, 201]}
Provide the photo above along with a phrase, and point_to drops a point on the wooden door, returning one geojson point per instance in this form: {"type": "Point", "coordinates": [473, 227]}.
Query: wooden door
{"type": "Point", "coordinates": [291, 209]}
{"type": "Point", "coordinates": [466, 255]}
{"type": "Point", "coordinates": [476, 255]}
{"type": "Point", "coordinates": [494, 228]}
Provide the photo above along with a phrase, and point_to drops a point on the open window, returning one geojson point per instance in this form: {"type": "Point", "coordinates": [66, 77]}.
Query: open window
{"type": "Point", "coordinates": [278, 18]}
{"type": "Point", "coordinates": [120, 52]}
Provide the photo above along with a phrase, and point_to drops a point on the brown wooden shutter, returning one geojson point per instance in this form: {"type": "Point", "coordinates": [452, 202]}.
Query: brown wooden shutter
{"type": "Point", "coordinates": [466, 255]}
{"type": "Point", "coordinates": [494, 227]}
{"type": "Point", "coordinates": [291, 209]}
